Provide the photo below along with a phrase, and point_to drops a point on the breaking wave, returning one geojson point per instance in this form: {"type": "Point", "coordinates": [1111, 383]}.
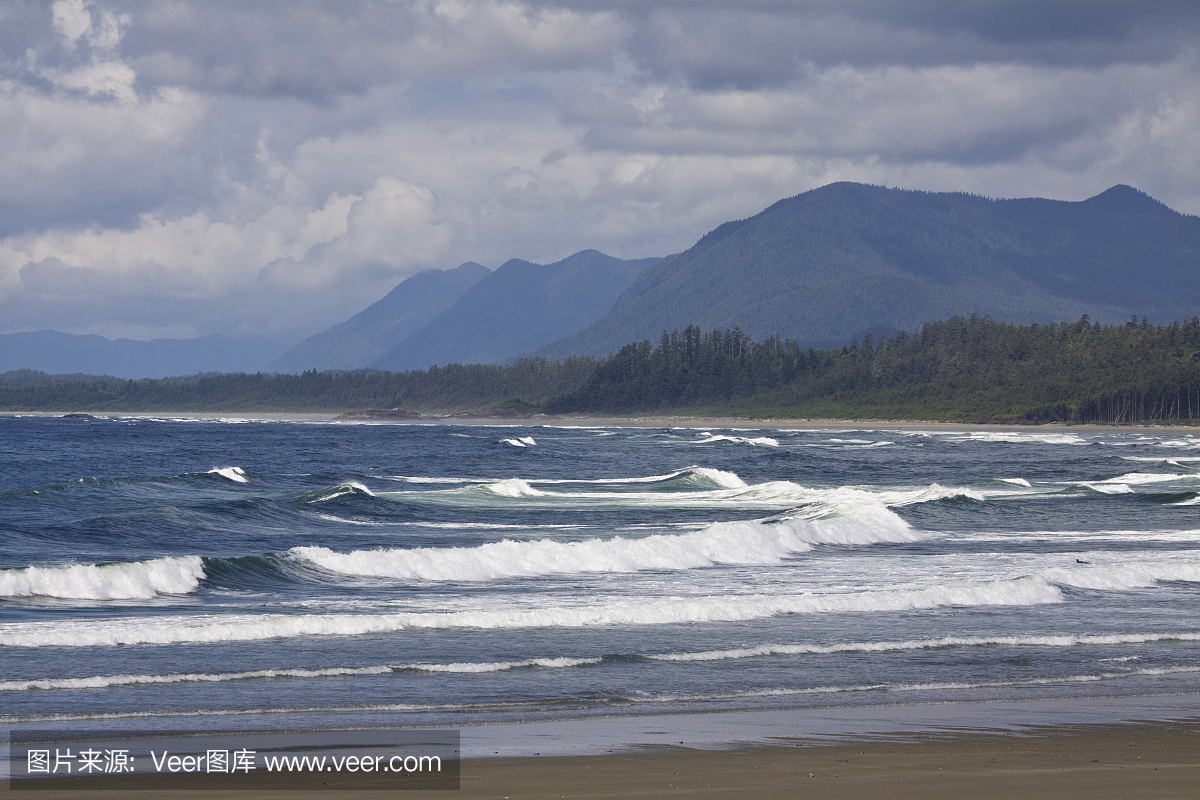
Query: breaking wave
{"type": "Point", "coordinates": [719, 543]}
{"type": "Point", "coordinates": [631, 611]}
{"type": "Point", "coordinates": [139, 580]}
{"type": "Point", "coordinates": [928, 644]}
{"type": "Point", "coordinates": [105, 681]}
{"type": "Point", "coordinates": [347, 489]}
{"type": "Point", "coordinates": [524, 441]}
{"type": "Point", "coordinates": [235, 474]}
{"type": "Point", "coordinates": [712, 438]}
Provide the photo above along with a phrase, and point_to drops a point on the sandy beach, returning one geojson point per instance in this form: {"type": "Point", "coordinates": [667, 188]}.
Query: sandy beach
{"type": "Point", "coordinates": [1125, 761]}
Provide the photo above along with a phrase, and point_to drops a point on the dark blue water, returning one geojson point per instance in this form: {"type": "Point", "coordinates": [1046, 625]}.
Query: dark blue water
{"type": "Point", "coordinates": [195, 574]}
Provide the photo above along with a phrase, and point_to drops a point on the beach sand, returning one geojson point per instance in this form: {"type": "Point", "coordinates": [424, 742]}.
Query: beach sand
{"type": "Point", "coordinates": [1159, 760]}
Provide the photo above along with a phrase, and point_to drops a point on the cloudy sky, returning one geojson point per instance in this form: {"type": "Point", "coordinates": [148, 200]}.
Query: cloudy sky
{"type": "Point", "coordinates": [178, 168]}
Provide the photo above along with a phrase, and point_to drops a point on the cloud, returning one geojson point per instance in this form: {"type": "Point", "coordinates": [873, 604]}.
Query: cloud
{"type": "Point", "coordinates": [178, 168]}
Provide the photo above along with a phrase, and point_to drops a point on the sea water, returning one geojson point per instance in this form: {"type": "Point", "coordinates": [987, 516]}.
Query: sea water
{"type": "Point", "coordinates": [176, 574]}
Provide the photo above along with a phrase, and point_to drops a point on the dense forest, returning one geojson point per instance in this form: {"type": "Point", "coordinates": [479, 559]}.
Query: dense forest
{"type": "Point", "coordinates": [965, 370]}
{"type": "Point", "coordinates": [961, 369]}
{"type": "Point", "coordinates": [445, 389]}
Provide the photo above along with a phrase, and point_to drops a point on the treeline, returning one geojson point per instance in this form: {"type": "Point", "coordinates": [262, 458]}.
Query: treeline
{"type": "Point", "coordinates": [962, 369]}
{"type": "Point", "coordinates": [454, 387]}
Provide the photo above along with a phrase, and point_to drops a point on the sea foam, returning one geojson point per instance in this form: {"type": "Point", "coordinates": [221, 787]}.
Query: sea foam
{"type": "Point", "coordinates": [139, 580]}
{"type": "Point", "coordinates": [235, 474]}
{"type": "Point", "coordinates": [718, 543]}
{"type": "Point", "coordinates": [928, 644]}
{"type": "Point", "coordinates": [658, 610]}
{"type": "Point", "coordinates": [106, 681]}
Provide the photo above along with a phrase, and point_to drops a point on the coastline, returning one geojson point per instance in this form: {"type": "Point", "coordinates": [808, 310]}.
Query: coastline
{"type": "Point", "coordinates": [581, 421]}
{"type": "Point", "coordinates": [1135, 760]}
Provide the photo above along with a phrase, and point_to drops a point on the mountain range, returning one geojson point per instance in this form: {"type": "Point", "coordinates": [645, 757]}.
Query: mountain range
{"type": "Point", "coordinates": [518, 308]}
{"type": "Point", "coordinates": [830, 265]}
{"type": "Point", "coordinates": [374, 332]}
{"type": "Point", "coordinates": [821, 268]}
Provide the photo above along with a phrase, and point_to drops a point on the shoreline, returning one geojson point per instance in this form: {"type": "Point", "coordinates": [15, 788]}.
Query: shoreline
{"type": "Point", "coordinates": [580, 421]}
{"type": "Point", "coordinates": [1069, 762]}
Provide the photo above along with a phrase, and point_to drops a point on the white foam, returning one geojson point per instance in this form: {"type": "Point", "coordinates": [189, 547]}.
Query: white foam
{"type": "Point", "coordinates": [1125, 576]}
{"type": "Point", "coordinates": [1013, 437]}
{"type": "Point", "coordinates": [695, 475]}
{"type": "Point", "coordinates": [139, 580]}
{"type": "Point", "coordinates": [106, 681]}
{"type": "Point", "coordinates": [918, 687]}
{"type": "Point", "coordinates": [513, 487]}
{"type": "Point", "coordinates": [1015, 481]}
{"type": "Point", "coordinates": [762, 441]}
{"type": "Point", "coordinates": [524, 441]}
{"type": "Point", "coordinates": [659, 610]}
{"type": "Point", "coordinates": [235, 474]}
{"type": "Point", "coordinates": [718, 543]}
{"type": "Point", "coordinates": [1176, 460]}
{"type": "Point", "coordinates": [931, 493]}
{"type": "Point", "coordinates": [1106, 488]}
{"type": "Point", "coordinates": [1144, 478]}
{"type": "Point", "coordinates": [927, 644]}
{"type": "Point", "coordinates": [342, 490]}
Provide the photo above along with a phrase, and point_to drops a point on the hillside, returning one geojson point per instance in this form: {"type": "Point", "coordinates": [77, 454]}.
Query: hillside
{"type": "Point", "coordinates": [373, 332]}
{"type": "Point", "coordinates": [519, 307]}
{"type": "Point", "coordinates": [57, 352]}
{"type": "Point", "coordinates": [830, 265]}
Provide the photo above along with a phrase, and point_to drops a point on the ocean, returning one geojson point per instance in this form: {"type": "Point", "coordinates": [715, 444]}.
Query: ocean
{"type": "Point", "coordinates": [181, 574]}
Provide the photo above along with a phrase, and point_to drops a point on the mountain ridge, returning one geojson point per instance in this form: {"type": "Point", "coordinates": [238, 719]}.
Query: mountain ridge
{"type": "Point", "coordinates": [832, 264]}
{"type": "Point", "coordinates": [549, 300]}
{"type": "Point", "coordinates": [377, 329]}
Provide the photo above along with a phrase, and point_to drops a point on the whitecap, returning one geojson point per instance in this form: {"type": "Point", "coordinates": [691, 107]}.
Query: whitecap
{"type": "Point", "coordinates": [139, 580]}
{"type": "Point", "coordinates": [1066, 640]}
{"type": "Point", "coordinates": [758, 543]}
{"type": "Point", "coordinates": [659, 610]}
{"type": "Point", "coordinates": [235, 474]}
{"type": "Point", "coordinates": [106, 681]}
{"type": "Point", "coordinates": [341, 490]}
{"type": "Point", "coordinates": [710, 438]}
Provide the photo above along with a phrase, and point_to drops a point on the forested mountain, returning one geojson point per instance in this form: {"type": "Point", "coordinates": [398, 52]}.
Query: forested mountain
{"type": "Point", "coordinates": [56, 352]}
{"type": "Point", "coordinates": [518, 308]}
{"type": "Point", "coordinates": [373, 332]}
{"type": "Point", "coordinates": [832, 264]}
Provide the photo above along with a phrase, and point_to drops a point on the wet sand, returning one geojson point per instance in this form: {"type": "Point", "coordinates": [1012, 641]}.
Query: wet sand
{"type": "Point", "coordinates": [1160, 760]}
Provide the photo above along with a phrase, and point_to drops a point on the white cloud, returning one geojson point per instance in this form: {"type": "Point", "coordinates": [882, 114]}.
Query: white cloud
{"type": "Point", "coordinates": [180, 168]}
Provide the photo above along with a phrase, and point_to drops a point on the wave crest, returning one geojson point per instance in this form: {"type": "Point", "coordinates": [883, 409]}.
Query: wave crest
{"type": "Point", "coordinates": [139, 580]}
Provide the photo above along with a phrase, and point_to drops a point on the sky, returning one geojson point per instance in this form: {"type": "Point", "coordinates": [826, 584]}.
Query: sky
{"type": "Point", "coordinates": [173, 168]}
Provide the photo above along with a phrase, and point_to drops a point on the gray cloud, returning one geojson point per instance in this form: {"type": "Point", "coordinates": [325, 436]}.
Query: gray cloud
{"type": "Point", "coordinates": [177, 168]}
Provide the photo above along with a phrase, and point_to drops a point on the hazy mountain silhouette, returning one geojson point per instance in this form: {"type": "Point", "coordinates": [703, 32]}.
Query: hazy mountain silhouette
{"type": "Point", "coordinates": [832, 264]}
{"type": "Point", "coordinates": [373, 332]}
{"type": "Point", "coordinates": [65, 353]}
{"type": "Point", "coordinates": [519, 307]}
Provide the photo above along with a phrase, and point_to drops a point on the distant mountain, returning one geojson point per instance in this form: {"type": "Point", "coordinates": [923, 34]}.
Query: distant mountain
{"type": "Point", "coordinates": [827, 266]}
{"type": "Point", "coordinates": [64, 353]}
{"type": "Point", "coordinates": [518, 308]}
{"type": "Point", "coordinates": [373, 332]}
